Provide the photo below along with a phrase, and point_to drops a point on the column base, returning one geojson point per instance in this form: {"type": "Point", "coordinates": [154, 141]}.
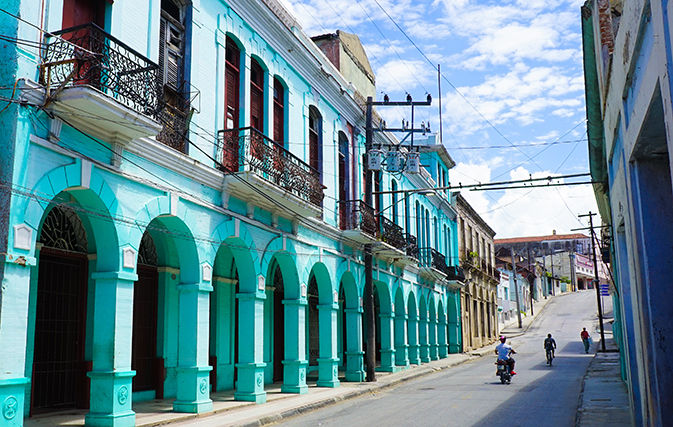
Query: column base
{"type": "Point", "coordinates": [127, 419]}
{"type": "Point", "coordinates": [12, 401]}
{"type": "Point", "coordinates": [355, 368]}
{"type": "Point", "coordinates": [193, 390]}
{"type": "Point", "coordinates": [294, 376]}
{"type": "Point", "coordinates": [250, 384]}
{"type": "Point", "coordinates": [328, 372]}
{"type": "Point", "coordinates": [111, 399]}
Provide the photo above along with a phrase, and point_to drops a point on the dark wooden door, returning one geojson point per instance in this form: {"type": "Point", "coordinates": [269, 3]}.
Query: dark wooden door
{"type": "Point", "coordinates": [78, 12]}
{"type": "Point", "coordinates": [60, 330]}
{"type": "Point", "coordinates": [145, 307]}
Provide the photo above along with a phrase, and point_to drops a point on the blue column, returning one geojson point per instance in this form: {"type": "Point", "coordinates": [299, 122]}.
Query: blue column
{"type": "Point", "coordinates": [111, 376]}
{"type": "Point", "coordinates": [414, 344]}
{"type": "Point", "coordinates": [442, 335]}
{"type": "Point", "coordinates": [193, 371]}
{"type": "Point", "coordinates": [328, 362]}
{"type": "Point", "coordinates": [434, 346]}
{"type": "Point", "coordinates": [294, 362]}
{"type": "Point", "coordinates": [355, 365]}
{"type": "Point", "coordinates": [401, 346]}
{"type": "Point", "coordinates": [250, 384]}
{"type": "Point", "coordinates": [387, 347]}
{"type": "Point", "coordinates": [15, 290]}
{"type": "Point", "coordinates": [423, 339]}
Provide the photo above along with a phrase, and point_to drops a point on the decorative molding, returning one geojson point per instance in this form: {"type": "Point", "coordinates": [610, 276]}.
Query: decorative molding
{"type": "Point", "coordinates": [55, 127]}
{"type": "Point", "coordinates": [261, 283]}
{"type": "Point", "coordinates": [23, 237]}
{"type": "Point", "coordinates": [86, 173]}
{"type": "Point", "coordinates": [129, 257]}
{"type": "Point", "coordinates": [206, 272]}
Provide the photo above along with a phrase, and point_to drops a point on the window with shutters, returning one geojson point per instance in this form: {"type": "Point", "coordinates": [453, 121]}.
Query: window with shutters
{"type": "Point", "coordinates": [278, 111]}
{"type": "Point", "coordinates": [172, 38]}
{"type": "Point", "coordinates": [343, 167]}
{"type": "Point", "coordinates": [315, 139]}
{"type": "Point", "coordinates": [256, 95]}
{"type": "Point", "coordinates": [175, 112]}
{"type": "Point", "coordinates": [232, 82]}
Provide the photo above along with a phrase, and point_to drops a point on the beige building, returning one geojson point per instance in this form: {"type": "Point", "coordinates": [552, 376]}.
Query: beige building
{"type": "Point", "coordinates": [479, 297]}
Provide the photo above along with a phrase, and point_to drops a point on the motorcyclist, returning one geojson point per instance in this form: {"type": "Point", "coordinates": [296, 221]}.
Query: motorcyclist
{"type": "Point", "coordinates": [550, 344]}
{"type": "Point", "coordinates": [504, 352]}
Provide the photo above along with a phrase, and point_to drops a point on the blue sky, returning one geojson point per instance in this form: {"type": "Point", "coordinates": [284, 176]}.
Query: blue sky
{"type": "Point", "coordinates": [512, 93]}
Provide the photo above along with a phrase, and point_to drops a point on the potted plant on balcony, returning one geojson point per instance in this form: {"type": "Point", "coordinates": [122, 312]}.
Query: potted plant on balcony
{"type": "Point", "coordinates": [474, 257]}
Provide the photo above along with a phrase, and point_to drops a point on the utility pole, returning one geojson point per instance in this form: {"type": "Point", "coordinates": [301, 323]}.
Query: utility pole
{"type": "Point", "coordinates": [370, 320]}
{"type": "Point", "coordinates": [516, 288]}
{"type": "Point", "coordinates": [597, 281]}
{"type": "Point", "coordinates": [368, 300]}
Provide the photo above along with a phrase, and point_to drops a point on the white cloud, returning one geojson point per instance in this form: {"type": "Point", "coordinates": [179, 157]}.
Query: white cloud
{"type": "Point", "coordinates": [525, 212]}
{"type": "Point", "coordinates": [402, 75]}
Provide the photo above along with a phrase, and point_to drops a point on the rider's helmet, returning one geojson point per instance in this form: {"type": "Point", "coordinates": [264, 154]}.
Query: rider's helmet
{"type": "Point", "coordinates": [503, 338]}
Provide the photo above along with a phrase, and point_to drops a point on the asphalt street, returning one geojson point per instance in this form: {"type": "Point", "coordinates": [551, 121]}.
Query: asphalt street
{"type": "Point", "coordinates": [471, 394]}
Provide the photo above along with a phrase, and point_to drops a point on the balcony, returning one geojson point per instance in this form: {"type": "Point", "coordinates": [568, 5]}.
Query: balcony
{"type": "Point", "coordinates": [455, 274]}
{"type": "Point", "coordinates": [392, 233]}
{"type": "Point", "coordinates": [256, 165]}
{"type": "Point", "coordinates": [432, 263]}
{"type": "Point", "coordinates": [100, 85]}
{"type": "Point", "coordinates": [357, 221]}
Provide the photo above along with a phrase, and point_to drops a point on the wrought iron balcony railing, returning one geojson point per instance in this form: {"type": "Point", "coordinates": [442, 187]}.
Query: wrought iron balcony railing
{"type": "Point", "coordinates": [392, 233]}
{"type": "Point", "coordinates": [174, 131]}
{"type": "Point", "coordinates": [247, 149]}
{"type": "Point", "coordinates": [357, 215]}
{"type": "Point", "coordinates": [455, 273]}
{"type": "Point", "coordinates": [87, 55]}
{"type": "Point", "coordinates": [412, 246]}
{"type": "Point", "coordinates": [429, 257]}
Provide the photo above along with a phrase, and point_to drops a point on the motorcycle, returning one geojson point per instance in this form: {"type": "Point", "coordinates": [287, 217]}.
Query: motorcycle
{"type": "Point", "coordinates": [503, 371]}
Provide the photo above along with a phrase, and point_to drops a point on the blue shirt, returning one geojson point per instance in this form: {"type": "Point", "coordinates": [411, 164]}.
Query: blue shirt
{"type": "Point", "coordinates": [503, 351]}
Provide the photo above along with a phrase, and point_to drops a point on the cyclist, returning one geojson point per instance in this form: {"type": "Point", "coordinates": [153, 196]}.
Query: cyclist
{"type": "Point", "coordinates": [550, 345]}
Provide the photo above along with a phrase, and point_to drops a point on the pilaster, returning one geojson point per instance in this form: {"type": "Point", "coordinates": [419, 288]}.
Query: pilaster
{"type": "Point", "coordinates": [355, 367]}
{"type": "Point", "coordinates": [328, 362]}
{"type": "Point", "coordinates": [250, 384]}
{"type": "Point", "coordinates": [193, 371]}
{"type": "Point", "coordinates": [294, 362]}
{"type": "Point", "coordinates": [111, 376]}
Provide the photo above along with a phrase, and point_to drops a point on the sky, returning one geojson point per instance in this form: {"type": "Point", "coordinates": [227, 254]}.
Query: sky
{"type": "Point", "coordinates": [512, 94]}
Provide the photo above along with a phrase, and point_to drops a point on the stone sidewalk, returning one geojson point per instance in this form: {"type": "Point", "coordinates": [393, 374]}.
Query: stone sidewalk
{"type": "Point", "coordinates": [603, 400]}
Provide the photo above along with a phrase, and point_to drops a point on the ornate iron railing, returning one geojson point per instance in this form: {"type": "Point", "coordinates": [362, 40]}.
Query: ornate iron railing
{"type": "Point", "coordinates": [87, 55]}
{"type": "Point", "coordinates": [412, 246]}
{"type": "Point", "coordinates": [455, 273]}
{"type": "Point", "coordinates": [247, 149]}
{"type": "Point", "coordinates": [429, 257]}
{"type": "Point", "coordinates": [175, 124]}
{"type": "Point", "coordinates": [357, 215]}
{"type": "Point", "coordinates": [391, 233]}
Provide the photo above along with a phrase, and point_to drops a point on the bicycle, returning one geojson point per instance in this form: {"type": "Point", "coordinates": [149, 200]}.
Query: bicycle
{"type": "Point", "coordinates": [550, 358]}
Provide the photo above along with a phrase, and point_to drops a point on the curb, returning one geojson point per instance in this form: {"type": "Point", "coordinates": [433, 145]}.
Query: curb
{"type": "Point", "coordinates": [300, 410]}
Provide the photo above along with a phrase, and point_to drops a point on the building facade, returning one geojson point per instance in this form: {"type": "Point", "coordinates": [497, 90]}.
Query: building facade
{"type": "Point", "coordinates": [629, 99]}
{"type": "Point", "coordinates": [182, 213]}
{"type": "Point", "coordinates": [479, 298]}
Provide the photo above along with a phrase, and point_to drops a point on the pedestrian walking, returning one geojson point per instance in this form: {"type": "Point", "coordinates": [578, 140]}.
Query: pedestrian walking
{"type": "Point", "coordinates": [586, 339]}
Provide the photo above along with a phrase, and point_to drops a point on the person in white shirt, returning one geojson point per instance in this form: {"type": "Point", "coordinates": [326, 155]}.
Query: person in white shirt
{"type": "Point", "coordinates": [504, 352]}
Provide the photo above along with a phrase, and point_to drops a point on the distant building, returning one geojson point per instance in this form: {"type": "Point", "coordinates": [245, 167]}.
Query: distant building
{"type": "Point", "coordinates": [480, 295]}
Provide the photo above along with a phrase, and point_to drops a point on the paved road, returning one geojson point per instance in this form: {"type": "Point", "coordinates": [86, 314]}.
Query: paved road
{"type": "Point", "coordinates": [471, 395]}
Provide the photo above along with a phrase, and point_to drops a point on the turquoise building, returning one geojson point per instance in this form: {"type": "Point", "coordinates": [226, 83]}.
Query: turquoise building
{"type": "Point", "coordinates": [181, 212]}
